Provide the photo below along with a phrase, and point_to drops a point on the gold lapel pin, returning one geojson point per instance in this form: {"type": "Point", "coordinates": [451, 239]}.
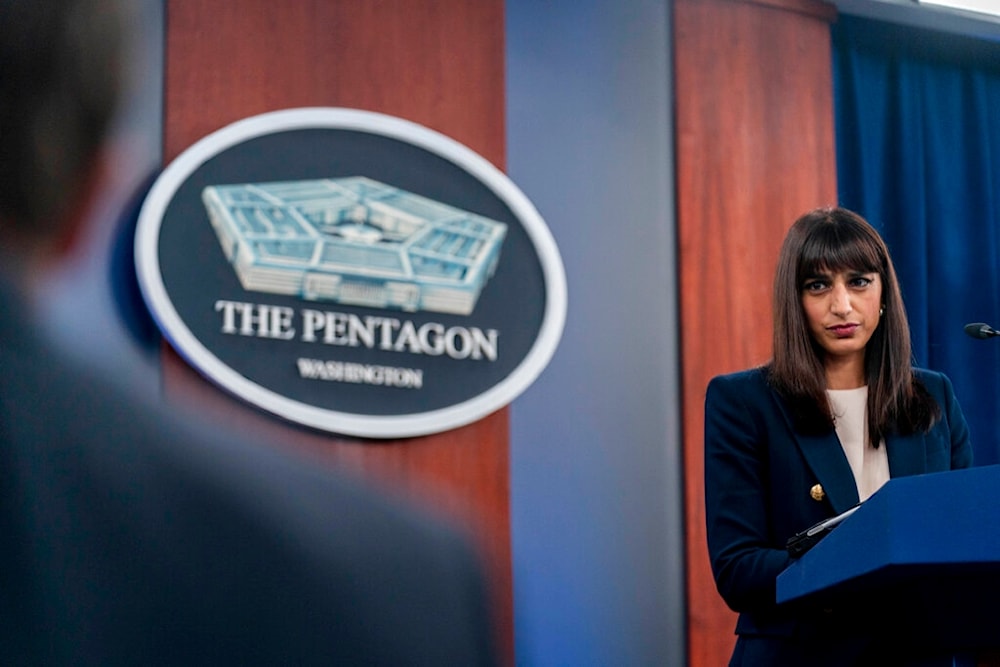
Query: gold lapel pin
{"type": "Point", "coordinates": [817, 492]}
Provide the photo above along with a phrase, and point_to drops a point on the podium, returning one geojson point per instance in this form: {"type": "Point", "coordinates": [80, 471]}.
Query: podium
{"type": "Point", "coordinates": [923, 553]}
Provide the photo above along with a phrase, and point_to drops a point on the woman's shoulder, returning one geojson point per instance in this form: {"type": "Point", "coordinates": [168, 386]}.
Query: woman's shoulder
{"type": "Point", "coordinates": [930, 378]}
{"type": "Point", "coordinates": [748, 389]}
{"type": "Point", "coordinates": [935, 382]}
{"type": "Point", "coordinates": [750, 377]}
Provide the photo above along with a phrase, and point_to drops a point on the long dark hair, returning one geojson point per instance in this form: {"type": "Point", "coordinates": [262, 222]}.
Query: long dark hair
{"type": "Point", "coordinates": [836, 239]}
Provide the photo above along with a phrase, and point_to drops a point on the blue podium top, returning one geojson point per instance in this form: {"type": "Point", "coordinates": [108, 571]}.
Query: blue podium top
{"type": "Point", "coordinates": [913, 529]}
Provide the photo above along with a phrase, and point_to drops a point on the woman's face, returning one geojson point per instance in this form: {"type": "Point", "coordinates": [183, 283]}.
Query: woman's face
{"type": "Point", "coordinates": [842, 310]}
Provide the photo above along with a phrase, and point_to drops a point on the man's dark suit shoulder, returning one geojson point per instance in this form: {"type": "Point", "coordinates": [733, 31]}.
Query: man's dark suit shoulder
{"type": "Point", "coordinates": [135, 537]}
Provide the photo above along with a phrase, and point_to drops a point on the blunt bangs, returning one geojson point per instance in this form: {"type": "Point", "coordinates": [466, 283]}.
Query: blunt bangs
{"type": "Point", "coordinates": [840, 246]}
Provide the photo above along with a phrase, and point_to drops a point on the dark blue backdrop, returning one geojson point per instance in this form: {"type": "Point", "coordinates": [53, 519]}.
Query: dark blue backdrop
{"type": "Point", "coordinates": [918, 154]}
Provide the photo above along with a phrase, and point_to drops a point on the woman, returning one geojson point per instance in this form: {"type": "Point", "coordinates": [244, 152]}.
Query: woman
{"type": "Point", "coordinates": [836, 413]}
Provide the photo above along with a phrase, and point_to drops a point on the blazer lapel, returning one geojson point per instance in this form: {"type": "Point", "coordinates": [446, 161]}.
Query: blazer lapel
{"type": "Point", "coordinates": [825, 456]}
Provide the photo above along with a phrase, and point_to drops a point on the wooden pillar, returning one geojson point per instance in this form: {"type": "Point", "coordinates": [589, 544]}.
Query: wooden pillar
{"type": "Point", "coordinates": [439, 63]}
{"type": "Point", "coordinates": [755, 149]}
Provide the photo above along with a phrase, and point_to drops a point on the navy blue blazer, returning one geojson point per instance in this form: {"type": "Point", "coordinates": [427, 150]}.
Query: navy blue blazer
{"type": "Point", "coordinates": [761, 480]}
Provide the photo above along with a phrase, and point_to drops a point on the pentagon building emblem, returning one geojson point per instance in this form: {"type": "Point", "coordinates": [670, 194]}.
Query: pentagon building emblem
{"type": "Point", "coordinates": [355, 241]}
{"type": "Point", "coordinates": [350, 272]}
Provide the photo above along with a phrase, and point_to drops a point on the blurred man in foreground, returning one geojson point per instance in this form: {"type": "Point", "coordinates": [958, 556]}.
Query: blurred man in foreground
{"type": "Point", "coordinates": [130, 537]}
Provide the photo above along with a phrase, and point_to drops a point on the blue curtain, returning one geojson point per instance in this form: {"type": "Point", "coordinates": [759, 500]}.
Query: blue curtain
{"type": "Point", "coordinates": [918, 155]}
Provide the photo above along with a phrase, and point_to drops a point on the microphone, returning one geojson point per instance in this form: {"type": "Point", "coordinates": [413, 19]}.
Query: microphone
{"type": "Point", "coordinates": [980, 330]}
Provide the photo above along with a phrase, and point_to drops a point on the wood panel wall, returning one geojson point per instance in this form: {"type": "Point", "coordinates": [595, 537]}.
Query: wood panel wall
{"type": "Point", "coordinates": [439, 63]}
{"type": "Point", "coordinates": [755, 149]}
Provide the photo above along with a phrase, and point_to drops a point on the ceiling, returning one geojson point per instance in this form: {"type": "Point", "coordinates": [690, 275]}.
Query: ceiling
{"type": "Point", "coordinates": [910, 12]}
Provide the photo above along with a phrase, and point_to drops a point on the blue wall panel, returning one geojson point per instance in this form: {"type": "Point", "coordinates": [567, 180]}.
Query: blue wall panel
{"type": "Point", "coordinates": [596, 490]}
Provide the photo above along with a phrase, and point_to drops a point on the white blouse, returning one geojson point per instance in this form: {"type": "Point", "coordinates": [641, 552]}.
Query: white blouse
{"type": "Point", "coordinates": [870, 465]}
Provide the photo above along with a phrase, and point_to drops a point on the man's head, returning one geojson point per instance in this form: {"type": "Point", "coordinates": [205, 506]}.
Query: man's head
{"type": "Point", "coordinates": [60, 79]}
